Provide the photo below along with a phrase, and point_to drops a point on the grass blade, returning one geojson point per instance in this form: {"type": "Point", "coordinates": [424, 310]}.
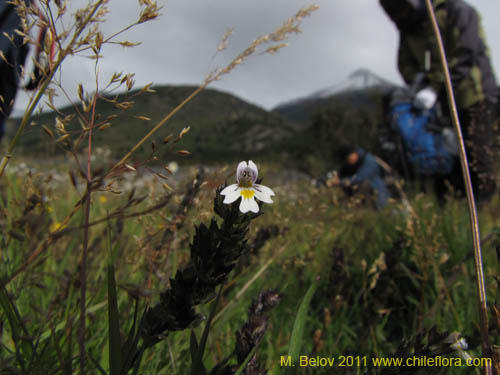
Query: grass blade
{"type": "Point", "coordinates": [97, 365]}
{"type": "Point", "coordinates": [247, 359]}
{"type": "Point", "coordinates": [298, 326]}
{"type": "Point", "coordinates": [115, 345]}
{"type": "Point", "coordinates": [24, 348]}
{"type": "Point", "coordinates": [193, 346]}
{"type": "Point", "coordinates": [115, 354]}
{"type": "Point", "coordinates": [130, 345]}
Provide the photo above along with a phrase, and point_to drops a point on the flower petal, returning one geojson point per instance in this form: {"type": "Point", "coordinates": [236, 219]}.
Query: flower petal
{"type": "Point", "coordinates": [252, 166]}
{"type": "Point", "coordinates": [246, 174]}
{"type": "Point", "coordinates": [249, 205]}
{"type": "Point", "coordinates": [263, 193]}
{"type": "Point", "coordinates": [231, 192]}
{"type": "Point", "coordinates": [229, 188]}
{"type": "Point", "coordinates": [239, 171]}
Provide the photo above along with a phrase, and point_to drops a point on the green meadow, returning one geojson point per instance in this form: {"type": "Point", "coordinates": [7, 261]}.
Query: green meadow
{"type": "Point", "coordinates": [393, 284]}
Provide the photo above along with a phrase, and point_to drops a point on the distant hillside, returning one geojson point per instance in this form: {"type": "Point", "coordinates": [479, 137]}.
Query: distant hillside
{"type": "Point", "coordinates": [303, 133]}
{"type": "Point", "coordinates": [222, 126]}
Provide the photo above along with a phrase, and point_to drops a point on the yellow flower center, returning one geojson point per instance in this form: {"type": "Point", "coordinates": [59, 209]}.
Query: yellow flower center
{"type": "Point", "coordinates": [247, 193]}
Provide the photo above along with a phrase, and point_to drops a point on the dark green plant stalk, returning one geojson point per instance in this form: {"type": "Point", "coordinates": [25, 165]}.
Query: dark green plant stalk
{"type": "Point", "coordinates": [198, 360]}
{"type": "Point", "coordinates": [483, 312]}
{"type": "Point", "coordinates": [215, 251]}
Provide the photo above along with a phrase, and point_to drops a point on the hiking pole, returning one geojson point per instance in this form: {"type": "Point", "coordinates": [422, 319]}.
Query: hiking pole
{"type": "Point", "coordinates": [483, 313]}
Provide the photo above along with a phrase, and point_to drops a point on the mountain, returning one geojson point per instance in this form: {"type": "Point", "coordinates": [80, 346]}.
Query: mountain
{"type": "Point", "coordinates": [353, 88]}
{"type": "Point", "coordinates": [352, 111]}
{"type": "Point", "coordinates": [360, 79]}
{"type": "Point", "coordinates": [223, 127]}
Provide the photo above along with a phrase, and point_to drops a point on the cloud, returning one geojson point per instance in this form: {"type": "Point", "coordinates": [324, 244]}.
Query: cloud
{"type": "Point", "coordinates": [178, 48]}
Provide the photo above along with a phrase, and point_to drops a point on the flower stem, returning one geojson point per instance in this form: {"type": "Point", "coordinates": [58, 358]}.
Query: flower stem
{"type": "Point", "coordinates": [159, 125]}
{"type": "Point", "coordinates": [83, 267]}
{"type": "Point", "coordinates": [198, 363]}
{"type": "Point", "coordinates": [483, 312]}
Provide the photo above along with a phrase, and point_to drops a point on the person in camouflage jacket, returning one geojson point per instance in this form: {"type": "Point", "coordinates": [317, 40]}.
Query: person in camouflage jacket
{"type": "Point", "coordinates": [472, 76]}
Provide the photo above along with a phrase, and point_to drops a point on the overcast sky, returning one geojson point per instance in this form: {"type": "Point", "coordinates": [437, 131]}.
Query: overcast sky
{"type": "Point", "coordinates": [340, 37]}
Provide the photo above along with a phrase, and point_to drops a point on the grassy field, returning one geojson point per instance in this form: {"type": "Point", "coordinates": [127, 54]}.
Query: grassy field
{"type": "Point", "coordinates": [395, 283]}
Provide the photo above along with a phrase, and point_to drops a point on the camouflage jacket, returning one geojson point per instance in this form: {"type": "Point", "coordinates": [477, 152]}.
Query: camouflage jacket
{"type": "Point", "coordinates": [468, 57]}
{"type": "Point", "coordinates": [13, 53]}
{"type": "Point", "coordinates": [9, 23]}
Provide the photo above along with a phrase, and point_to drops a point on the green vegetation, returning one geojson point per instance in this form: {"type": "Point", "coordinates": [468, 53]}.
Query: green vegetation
{"type": "Point", "coordinates": [393, 283]}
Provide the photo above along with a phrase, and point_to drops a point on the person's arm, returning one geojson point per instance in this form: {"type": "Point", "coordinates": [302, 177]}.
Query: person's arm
{"type": "Point", "coordinates": [407, 65]}
{"type": "Point", "coordinates": [367, 171]}
{"type": "Point", "coordinates": [466, 42]}
{"type": "Point", "coordinates": [461, 33]}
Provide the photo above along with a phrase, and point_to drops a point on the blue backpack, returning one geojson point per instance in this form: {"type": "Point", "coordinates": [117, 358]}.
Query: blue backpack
{"type": "Point", "coordinates": [427, 151]}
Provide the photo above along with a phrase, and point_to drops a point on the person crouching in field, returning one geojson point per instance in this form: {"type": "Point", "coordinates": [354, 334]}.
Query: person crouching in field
{"type": "Point", "coordinates": [472, 76]}
{"type": "Point", "coordinates": [360, 171]}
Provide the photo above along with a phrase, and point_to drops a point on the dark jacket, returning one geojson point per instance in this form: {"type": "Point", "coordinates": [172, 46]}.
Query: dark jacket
{"type": "Point", "coordinates": [466, 51]}
{"type": "Point", "coordinates": [14, 55]}
{"type": "Point", "coordinates": [366, 171]}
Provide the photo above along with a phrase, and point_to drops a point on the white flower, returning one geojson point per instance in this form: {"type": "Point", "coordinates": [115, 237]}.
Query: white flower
{"type": "Point", "coordinates": [173, 166]}
{"type": "Point", "coordinates": [460, 344]}
{"type": "Point", "coordinates": [247, 189]}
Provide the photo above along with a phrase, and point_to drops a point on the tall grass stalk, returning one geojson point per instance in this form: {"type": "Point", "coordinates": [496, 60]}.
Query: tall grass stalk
{"type": "Point", "coordinates": [275, 39]}
{"type": "Point", "coordinates": [483, 312]}
{"type": "Point", "coordinates": [83, 268]}
{"type": "Point", "coordinates": [159, 125]}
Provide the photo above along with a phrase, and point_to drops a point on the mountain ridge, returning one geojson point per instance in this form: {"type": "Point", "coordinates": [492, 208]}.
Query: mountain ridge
{"type": "Point", "coordinates": [225, 127]}
{"type": "Point", "coordinates": [360, 79]}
